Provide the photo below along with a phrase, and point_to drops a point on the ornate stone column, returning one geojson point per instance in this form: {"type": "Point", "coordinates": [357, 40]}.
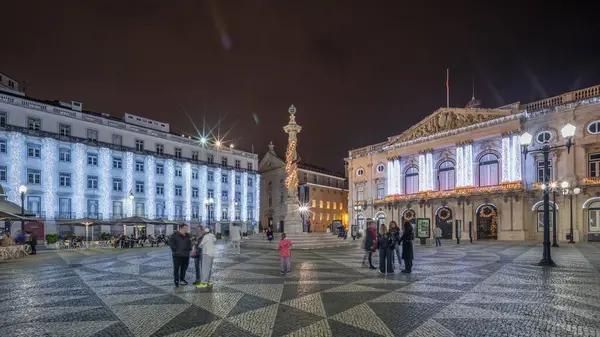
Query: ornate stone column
{"type": "Point", "coordinates": [292, 220]}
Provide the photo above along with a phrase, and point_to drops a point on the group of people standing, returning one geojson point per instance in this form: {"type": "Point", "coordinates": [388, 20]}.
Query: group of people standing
{"type": "Point", "coordinates": [388, 242]}
{"type": "Point", "coordinates": [201, 248]}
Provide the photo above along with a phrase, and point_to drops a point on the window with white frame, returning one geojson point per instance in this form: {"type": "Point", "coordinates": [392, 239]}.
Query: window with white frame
{"type": "Point", "coordinates": [594, 217]}
{"type": "Point", "coordinates": [540, 218]}
{"type": "Point", "coordinates": [238, 164]}
{"type": "Point", "coordinates": [250, 198]}
{"type": "Point", "coordinates": [250, 182]}
{"type": "Point", "coordinates": [160, 189]}
{"type": "Point", "coordinates": [594, 127]}
{"type": "Point", "coordinates": [34, 150]}
{"type": "Point", "coordinates": [34, 176]}
{"type": "Point", "coordinates": [238, 197]}
{"type": "Point", "coordinates": [2, 145]}
{"type": "Point", "coordinates": [139, 166]}
{"type": "Point", "coordinates": [210, 176]}
{"type": "Point", "coordinates": [117, 185]}
{"type": "Point", "coordinates": [34, 124]}
{"type": "Point", "coordinates": [224, 196]}
{"type": "Point", "coordinates": [540, 176]}
{"type": "Point", "coordinates": [195, 192]}
{"type": "Point", "coordinates": [210, 158]}
{"type": "Point", "coordinates": [139, 145]}
{"type": "Point", "coordinates": [160, 169]}
{"type": "Point", "coordinates": [64, 179]}
{"type": "Point", "coordinates": [594, 164]}
{"type": "Point", "coordinates": [117, 163]}
{"type": "Point", "coordinates": [489, 174]}
{"type": "Point", "coordinates": [224, 213]}
{"type": "Point", "coordinates": [178, 171]}
{"type": "Point", "coordinates": [360, 172]}
{"type": "Point", "coordinates": [195, 155]}
{"type": "Point", "coordinates": [92, 159]}
{"type": "Point", "coordinates": [249, 166]}
{"type": "Point", "coordinates": [178, 152]}
{"type": "Point", "coordinates": [64, 129]}
{"type": "Point", "coordinates": [117, 140]}
{"type": "Point", "coordinates": [446, 176]}
{"type": "Point", "coordinates": [3, 173]}
{"type": "Point", "coordinates": [544, 137]}
{"type": "Point", "coordinates": [380, 168]}
{"type": "Point", "coordinates": [160, 149]}
{"type": "Point", "coordinates": [92, 183]}
{"type": "Point", "coordinates": [224, 178]}
{"type": "Point", "coordinates": [195, 174]}
{"type": "Point", "coordinates": [380, 191]}
{"type": "Point", "coordinates": [178, 191]}
{"type": "Point", "coordinates": [139, 187]}
{"type": "Point", "coordinates": [2, 119]}
{"type": "Point", "coordinates": [360, 193]}
{"type": "Point", "coordinates": [411, 180]}
{"type": "Point", "coordinates": [210, 194]}
{"type": "Point", "coordinates": [64, 155]}
{"type": "Point", "coordinates": [92, 135]}
{"type": "Point", "coordinates": [238, 180]}
{"type": "Point", "coordinates": [224, 161]}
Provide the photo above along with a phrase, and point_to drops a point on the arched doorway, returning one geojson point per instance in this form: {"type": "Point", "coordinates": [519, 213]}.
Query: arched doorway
{"type": "Point", "coordinates": [360, 221]}
{"type": "Point", "coordinates": [443, 219]}
{"type": "Point", "coordinates": [380, 216]}
{"type": "Point", "coordinates": [411, 216]}
{"type": "Point", "coordinates": [592, 208]}
{"type": "Point", "coordinates": [538, 208]}
{"type": "Point", "coordinates": [487, 222]}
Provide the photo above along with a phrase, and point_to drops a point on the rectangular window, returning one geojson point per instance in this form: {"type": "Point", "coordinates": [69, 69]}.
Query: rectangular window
{"type": "Point", "coordinates": [34, 124]}
{"type": "Point", "coordinates": [92, 159]}
{"type": "Point", "coordinates": [2, 173]}
{"type": "Point", "coordinates": [177, 152]}
{"type": "Point", "coordinates": [194, 174]}
{"type": "Point", "coordinates": [224, 178]}
{"type": "Point", "coordinates": [92, 135]}
{"type": "Point", "coordinates": [210, 194]}
{"type": "Point", "coordinates": [64, 155]}
{"type": "Point", "coordinates": [178, 191]}
{"type": "Point", "coordinates": [334, 206]}
{"type": "Point", "coordinates": [160, 169]}
{"type": "Point", "coordinates": [92, 182]}
{"type": "Point", "coordinates": [33, 150]}
{"type": "Point", "coordinates": [305, 177]}
{"type": "Point", "coordinates": [210, 158]}
{"type": "Point", "coordinates": [250, 198]}
{"type": "Point", "coordinates": [64, 130]}
{"type": "Point", "coordinates": [64, 179]}
{"type": "Point", "coordinates": [2, 145]}
{"type": "Point", "coordinates": [139, 166]}
{"type": "Point", "coordinates": [117, 185]}
{"type": "Point", "coordinates": [238, 196]}
{"type": "Point", "coordinates": [594, 219]}
{"type": "Point", "coordinates": [195, 155]}
{"type": "Point", "coordinates": [224, 196]}
{"type": "Point", "coordinates": [139, 145]}
{"type": "Point", "coordinates": [320, 203]}
{"type": "Point", "coordinates": [139, 187]}
{"type": "Point", "coordinates": [380, 191]}
{"type": "Point", "coordinates": [328, 184]}
{"type": "Point", "coordinates": [160, 189]}
{"type": "Point", "coordinates": [178, 171]}
{"type": "Point", "coordinates": [2, 119]}
{"type": "Point", "coordinates": [250, 182]}
{"type": "Point", "coordinates": [34, 176]}
{"type": "Point", "coordinates": [360, 193]}
{"type": "Point", "coordinates": [160, 149]}
{"type": "Point", "coordinates": [328, 205]}
{"type": "Point", "coordinates": [540, 172]}
{"type": "Point", "coordinates": [282, 198]}
{"type": "Point", "coordinates": [315, 181]}
{"type": "Point", "coordinates": [117, 163]}
{"type": "Point", "coordinates": [117, 140]}
{"type": "Point", "coordinates": [195, 192]}
{"type": "Point", "coordinates": [594, 164]}
{"type": "Point", "coordinates": [160, 210]}
{"type": "Point", "coordinates": [250, 166]}
{"type": "Point", "coordinates": [238, 180]}
{"type": "Point", "coordinates": [340, 206]}
{"type": "Point", "coordinates": [314, 203]}
{"type": "Point", "coordinates": [224, 213]}
{"type": "Point", "coordinates": [210, 176]}
{"type": "Point", "coordinates": [224, 161]}
{"type": "Point", "coordinates": [117, 209]}
{"type": "Point", "coordinates": [238, 164]}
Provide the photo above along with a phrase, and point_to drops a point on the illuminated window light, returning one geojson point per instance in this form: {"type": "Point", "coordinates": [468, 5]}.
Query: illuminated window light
{"type": "Point", "coordinates": [218, 191]}
{"type": "Point", "coordinates": [187, 176]}
{"type": "Point", "coordinates": [170, 189]}
{"type": "Point", "coordinates": [245, 196]}
{"type": "Point", "coordinates": [15, 140]}
{"type": "Point", "coordinates": [105, 181]}
{"type": "Point", "coordinates": [48, 158]}
{"type": "Point", "coordinates": [80, 159]}
{"type": "Point", "coordinates": [128, 183]}
{"type": "Point", "coordinates": [150, 166]}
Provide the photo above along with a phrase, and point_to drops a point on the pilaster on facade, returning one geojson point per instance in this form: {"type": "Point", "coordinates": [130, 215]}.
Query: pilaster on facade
{"type": "Point", "coordinates": [187, 190]}
{"type": "Point", "coordinates": [80, 160]}
{"type": "Point", "coordinates": [170, 189]}
{"type": "Point", "coordinates": [244, 209]}
{"type": "Point", "coordinates": [105, 182]}
{"type": "Point", "coordinates": [49, 150]}
{"type": "Point", "coordinates": [218, 194]}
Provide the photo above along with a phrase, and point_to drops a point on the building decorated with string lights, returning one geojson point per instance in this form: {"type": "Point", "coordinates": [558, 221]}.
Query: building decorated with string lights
{"type": "Point", "coordinates": [81, 164]}
{"type": "Point", "coordinates": [481, 173]}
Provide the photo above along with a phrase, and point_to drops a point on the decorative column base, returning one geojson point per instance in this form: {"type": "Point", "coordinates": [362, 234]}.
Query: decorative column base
{"type": "Point", "coordinates": [292, 222]}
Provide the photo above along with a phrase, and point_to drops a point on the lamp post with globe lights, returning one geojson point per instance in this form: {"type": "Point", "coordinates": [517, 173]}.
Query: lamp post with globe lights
{"type": "Point", "coordinates": [22, 192]}
{"type": "Point", "coordinates": [553, 188]}
{"type": "Point", "coordinates": [566, 191]}
{"type": "Point", "coordinates": [209, 205]}
{"type": "Point", "coordinates": [568, 131]}
{"type": "Point", "coordinates": [357, 208]}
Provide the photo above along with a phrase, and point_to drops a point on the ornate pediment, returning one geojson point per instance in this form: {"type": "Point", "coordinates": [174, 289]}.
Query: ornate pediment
{"type": "Point", "coordinates": [447, 119]}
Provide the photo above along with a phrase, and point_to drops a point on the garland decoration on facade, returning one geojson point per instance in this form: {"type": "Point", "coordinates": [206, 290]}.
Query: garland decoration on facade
{"type": "Point", "coordinates": [444, 214]}
{"type": "Point", "coordinates": [409, 215]}
{"type": "Point", "coordinates": [291, 169]}
{"type": "Point", "coordinates": [488, 211]}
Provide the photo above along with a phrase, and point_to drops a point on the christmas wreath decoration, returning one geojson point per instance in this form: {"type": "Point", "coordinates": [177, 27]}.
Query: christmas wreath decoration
{"type": "Point", "coordinates": [409, 215]}
{"type": "Point", "coordinates": [488, 211]}
{"type": "Point", "coordinates": [444, 214]}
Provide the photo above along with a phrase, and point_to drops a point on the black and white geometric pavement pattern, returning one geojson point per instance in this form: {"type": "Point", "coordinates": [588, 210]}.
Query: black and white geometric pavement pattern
{"type": "Point", "coordinates": [467, 290]}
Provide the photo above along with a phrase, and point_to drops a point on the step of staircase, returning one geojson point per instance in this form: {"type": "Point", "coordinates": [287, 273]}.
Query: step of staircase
{"type": "Point", "coordinates": [301, 241]}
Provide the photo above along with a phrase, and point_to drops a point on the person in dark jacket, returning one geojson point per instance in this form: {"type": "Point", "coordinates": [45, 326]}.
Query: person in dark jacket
{"type": "Point", "coordinates": [197, 253]}
{"type": "Point", "coordinates": [407, 247]}
{"type": "Point", "coordinates": [395, 231]}
{"type": "Point", "coordinates": [386, 244]}
{"type": "Point", "coordinates": [181, 245]}
{"type": "Point", "coordinates": [370, 243]}
{"type": "Point", "coordinates": [33, 243]}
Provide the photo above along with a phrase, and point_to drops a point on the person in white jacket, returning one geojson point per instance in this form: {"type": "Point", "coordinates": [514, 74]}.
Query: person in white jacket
{"type": "Point", "coordinates": [208, 253]}
{"type": "Point", "coordinates": [235, 234]}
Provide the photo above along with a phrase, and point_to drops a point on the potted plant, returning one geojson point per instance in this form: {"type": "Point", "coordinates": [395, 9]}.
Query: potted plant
{"type": "Point", "coordinates": [219, 236]}
{"type": "Point", "coordinates": [51, 240]}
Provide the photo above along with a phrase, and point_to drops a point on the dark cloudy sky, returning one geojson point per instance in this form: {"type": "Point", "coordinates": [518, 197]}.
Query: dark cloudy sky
{"type": "Point", "coordinates": [358, 71]}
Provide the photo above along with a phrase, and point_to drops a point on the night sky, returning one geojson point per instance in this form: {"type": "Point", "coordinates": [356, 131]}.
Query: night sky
{"type": "Point", "coordinates": [357, 71]}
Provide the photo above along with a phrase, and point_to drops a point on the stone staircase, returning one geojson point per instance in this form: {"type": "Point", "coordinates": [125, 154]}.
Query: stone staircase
{"type": "Point", "coordinates": [301, 241]}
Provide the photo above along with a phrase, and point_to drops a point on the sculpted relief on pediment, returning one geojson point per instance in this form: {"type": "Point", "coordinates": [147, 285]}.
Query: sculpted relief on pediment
{"type": "Point", "coordinates": [443, 121]}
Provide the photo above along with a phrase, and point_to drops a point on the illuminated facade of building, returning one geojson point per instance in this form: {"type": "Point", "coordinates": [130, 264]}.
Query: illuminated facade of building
{"type": "Point", "coordinates": [467, 164]}
{"type": "Point", "coordinates": [81, 164]}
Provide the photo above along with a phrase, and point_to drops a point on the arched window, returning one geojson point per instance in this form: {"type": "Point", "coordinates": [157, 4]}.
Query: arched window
{"type": "Point", "coordinates": [411, 181]}
{"type": "Point", "coordinates": [540, 218]}
{"type": "Point", "coordinates": [446, 176]}
{"type": "Point", "coordinates": [360, 219]}
{"type": "Point", "coordinates": [594, 127]}
{"type": "Point", "coordinates": [380, 219]}
{"type": "Point", "coordinates": [488, 170]}
{"type": "Point", "coordinates": [594, 217]}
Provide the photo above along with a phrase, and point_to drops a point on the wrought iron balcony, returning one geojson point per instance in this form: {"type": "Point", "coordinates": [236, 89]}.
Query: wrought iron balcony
{"type": "Point", "coordinates": [116, 216]}
{"type": "Point", "coordinates": [93, 215]}
{"type": "Point", "coordinates": [65, 215]}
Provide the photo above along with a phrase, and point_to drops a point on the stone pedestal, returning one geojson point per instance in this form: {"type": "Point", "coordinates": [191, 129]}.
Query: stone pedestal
{"type": "Point", "coordinates": [292, 220]}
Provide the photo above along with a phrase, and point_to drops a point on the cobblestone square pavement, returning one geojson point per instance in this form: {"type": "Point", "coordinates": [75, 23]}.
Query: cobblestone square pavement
{"type": "Point", "coordinates": [467, 290]}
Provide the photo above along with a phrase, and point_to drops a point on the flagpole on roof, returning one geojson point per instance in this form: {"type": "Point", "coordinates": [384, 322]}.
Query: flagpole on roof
{"type": "Point", "coordinates": [447, 87]}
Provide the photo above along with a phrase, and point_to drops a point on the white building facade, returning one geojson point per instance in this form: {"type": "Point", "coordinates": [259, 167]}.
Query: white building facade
{"type": "Point", "coordinates": [80, 164]}
{"type": "Point", "coordinates": [467, 165]}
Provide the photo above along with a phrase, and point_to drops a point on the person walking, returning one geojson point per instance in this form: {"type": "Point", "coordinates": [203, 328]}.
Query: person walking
{"type": "Point", "coordinates": [385, 244]}
{"type": "Point", "coordinates": [370, 244]}
{"type": "Point", "coordinates": [270, 234]}
{"type": "Point", "coordinates": [396, 232]}
{"type": "Point", "coordinates": [181, 245]}
{"type": "Point", "coordinates": [197, 254]}
{"type": "Point", "coordinates": [208, 254]}
{"type": "Point", "coordinates": [235, 233]}
{"type": "Point", "coordinates": [438, 236]}
{"type": "Point", "coordinates": [285, 255]}
{"type": "Point", "coordinates": [33, 243]}
{"type": "Point", "coordinates": [407, 247]}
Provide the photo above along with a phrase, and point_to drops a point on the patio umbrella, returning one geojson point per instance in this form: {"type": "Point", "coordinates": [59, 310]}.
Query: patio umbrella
{"type": "Point", "coordinates": [138, 220]}
{"type": "Point", "coordinates": [84, 222]}
{"type": "Point", "coordinates": [5, 216]}
{"type": "Point", "coordinates": [167, 222]}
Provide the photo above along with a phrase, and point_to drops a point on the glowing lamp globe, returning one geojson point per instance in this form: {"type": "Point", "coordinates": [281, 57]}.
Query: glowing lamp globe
{"type": "Point", "coordinates": [576, 190]}
{"type": "Point", "coordinates": [568, 130]}
{"type": "Point", "coordinates": [564, 184]}
{"type": "Point", "coordinates": [203, 140]}
{"type": "Point", "coordinates": [22, 189]}
{"type": "Point", "coordinates": [543, 186]}
{"type": "Point", "coordinates": [526, 139]}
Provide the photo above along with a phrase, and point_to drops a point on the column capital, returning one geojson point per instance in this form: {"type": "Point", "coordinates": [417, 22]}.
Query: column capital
{"type": "Point", "coordinates": [393, 157]}
{"type": "Point", "coordinates": [464, 142]}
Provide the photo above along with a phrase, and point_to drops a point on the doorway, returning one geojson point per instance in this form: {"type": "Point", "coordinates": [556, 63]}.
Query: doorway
{"type": "Point", "coordinates": [487, 222]}
{"type": "Point", "coordinates": [443, 219]}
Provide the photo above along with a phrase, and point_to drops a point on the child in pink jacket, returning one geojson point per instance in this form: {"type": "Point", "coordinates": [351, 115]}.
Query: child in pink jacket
{"type": "Point", "coordinates": [284, 254]}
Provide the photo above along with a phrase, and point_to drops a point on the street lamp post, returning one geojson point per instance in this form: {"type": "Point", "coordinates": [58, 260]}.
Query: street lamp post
{"type": "Point", "coordinates": [357, 208]}
{"type": "Point", "coordinates": [570, 192]}
{"type": "Point", "coordinates": [209, 204]}
{"type": "Point", "coordinates": [568, 131]}
{"type": "Point", "coordinates": [131, 197]}
{"type": "Point", "coordinates": [554, 186]}
{"type": "Point", "coordinates": [22, 191]}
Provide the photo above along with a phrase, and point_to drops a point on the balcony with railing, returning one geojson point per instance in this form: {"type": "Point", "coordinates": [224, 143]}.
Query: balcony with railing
{"type": "Point", "coordinates": [117, 216]}
{"type": "Point", "coordinates": [93, 215]}
{"type": "Point", "coordinates": [38, 214]}
{"type": "Point", "coordinates": [60, 215]}
{"type": "Point", "coordinates": [179, 217]}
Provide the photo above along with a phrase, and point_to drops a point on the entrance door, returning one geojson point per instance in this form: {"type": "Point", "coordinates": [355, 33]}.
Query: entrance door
{"type": "Point", "coordinates": [281, 228]}
{"type": "Point", "coordinates": [487, 222]}
{"type": "Point", "coordinates": [443, 218]}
